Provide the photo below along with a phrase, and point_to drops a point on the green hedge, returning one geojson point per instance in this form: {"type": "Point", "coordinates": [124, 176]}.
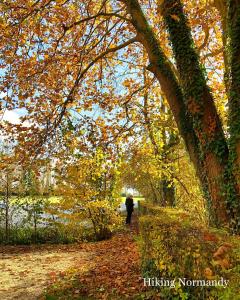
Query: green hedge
{"type": "Point", "coordinates": [174, 245]}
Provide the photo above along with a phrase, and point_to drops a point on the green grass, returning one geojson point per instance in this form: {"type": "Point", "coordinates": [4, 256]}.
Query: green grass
{"type": "Point", "coordinates": [137, 198]}
{"type": "Point", "coordinates": [22, 200]}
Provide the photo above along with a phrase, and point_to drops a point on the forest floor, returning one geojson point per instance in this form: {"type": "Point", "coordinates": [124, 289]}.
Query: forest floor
{"type": "Point", "coordinates": [26, 270]}
{"type": "Point", "coordinates": [108, 269]}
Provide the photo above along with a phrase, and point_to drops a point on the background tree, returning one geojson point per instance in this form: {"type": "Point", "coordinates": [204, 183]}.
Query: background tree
{"type": "Point", "coordinates": [88, 188]}
{"type": "Point", "coordinates": [9, 182]}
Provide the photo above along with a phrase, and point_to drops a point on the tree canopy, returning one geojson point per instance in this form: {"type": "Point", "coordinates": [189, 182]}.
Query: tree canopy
{"type": "Point", "coordinates": [100, 73]}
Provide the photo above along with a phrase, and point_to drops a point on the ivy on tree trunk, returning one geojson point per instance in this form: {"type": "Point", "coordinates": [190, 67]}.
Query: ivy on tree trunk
{"type": "Point", "coordinates": [193, 107]}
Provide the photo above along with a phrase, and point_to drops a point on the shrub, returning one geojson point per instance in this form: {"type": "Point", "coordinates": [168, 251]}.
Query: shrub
{"type": "Point", "coordinates": [104, 218]}
{"type": "Point", "coordinates": [62, 234]}
{"type": "Point", "coordinates": [174, 246]}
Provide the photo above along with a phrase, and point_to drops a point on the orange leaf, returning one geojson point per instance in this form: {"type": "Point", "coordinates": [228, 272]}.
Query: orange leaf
{"type": "Point", "coordinates": [175, 17]}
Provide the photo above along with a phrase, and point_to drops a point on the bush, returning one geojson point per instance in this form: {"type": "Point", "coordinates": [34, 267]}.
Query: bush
{"type": "Point", "coordinates": [104, 217]}
{"type": "Point", "coordinates": [95, 221]}
{"type": "Point", "coordinates": [174, 246]}
{"type": "Point", "coordinates": [62, 234]}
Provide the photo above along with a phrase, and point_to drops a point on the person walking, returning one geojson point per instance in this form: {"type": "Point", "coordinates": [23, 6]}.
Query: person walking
{"type": "Point", "coordinates": [129, 207]}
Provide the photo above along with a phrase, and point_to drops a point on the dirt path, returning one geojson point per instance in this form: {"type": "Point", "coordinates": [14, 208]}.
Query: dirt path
{"type": "Point", "coordinates": [25, 271]}
{"type": "Point", "coordinates": [104, 270]}
{"type": "Point", "coordinates": [116, 274]}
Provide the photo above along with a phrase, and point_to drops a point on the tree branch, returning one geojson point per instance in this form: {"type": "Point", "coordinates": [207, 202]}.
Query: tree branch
{"type": "Point", "coordinates": [101, 14]}
{"type": "Point", "coordinates": [206, 31]}
{"type": "Point", "coordinates": [214, 53]}
{"type": "Point", "coordinates": [83, 72]}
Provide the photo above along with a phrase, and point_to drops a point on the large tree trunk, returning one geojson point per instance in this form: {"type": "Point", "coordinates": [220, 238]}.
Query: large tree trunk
{"type": "Point", "coordinates": [233, 24]}
{"type": "Point", "coordinates": [200, 103]}
{"type": "Point", "coordinates": [234, 86]}
{"type": "Point", "coordinates": [194, 112]}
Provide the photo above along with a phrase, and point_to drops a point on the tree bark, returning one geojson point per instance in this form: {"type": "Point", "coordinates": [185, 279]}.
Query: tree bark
{"type": "Point", "coordinates": [221, 6]}
{"type": "Point", "coordinates": [160, 67]}
{"type": "Point", "coordinates": [234, 86]}
{"type": "Point", "coordinates": [198, 139]}
{"type": "Point", "coordinates": [200, 104]}
{"type": "Point", "coordinates": [7, 209]}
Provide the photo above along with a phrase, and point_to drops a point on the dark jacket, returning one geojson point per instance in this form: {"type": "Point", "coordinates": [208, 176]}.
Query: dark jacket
{"type": "Point", "coordinates": [129, 204]}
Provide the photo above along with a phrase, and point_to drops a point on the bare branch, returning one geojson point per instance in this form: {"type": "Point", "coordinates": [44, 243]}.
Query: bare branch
{"type": "Point", "coordinates": [206, 31]}
{"type": "Point", "coordinates": [101, 14]}
{"type": "Point", "coordinates": [214, 53]}
{"type": "Point", "coordinates": [81, 74]}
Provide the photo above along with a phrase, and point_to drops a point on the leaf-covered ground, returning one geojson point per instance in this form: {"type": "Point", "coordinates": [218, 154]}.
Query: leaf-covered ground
{"type": "Point", "coordinates": [25, 271]}
{"type": "Point", "coordinates": [103, 270]}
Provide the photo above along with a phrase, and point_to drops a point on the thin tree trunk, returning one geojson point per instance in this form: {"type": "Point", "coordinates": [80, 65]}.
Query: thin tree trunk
{"type": "Point", "coordinates": [166, 185]}
{"type": "Point", "coordinates": [35, 226]}
{"type": "Point", "coordinates": [7, 210]}
{"type": "Point", "coordinates": [168, 191]}
{"type": "Point", "coordinates": [155, 199]}
{"type": "Point", "coordinates": [221, 6]}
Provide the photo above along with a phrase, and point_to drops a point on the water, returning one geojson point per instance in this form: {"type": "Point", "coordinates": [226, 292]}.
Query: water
{"type": "Point", "coordinates": [123, 206]}
{"type": "Point", "coordinates": [17, 216]}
